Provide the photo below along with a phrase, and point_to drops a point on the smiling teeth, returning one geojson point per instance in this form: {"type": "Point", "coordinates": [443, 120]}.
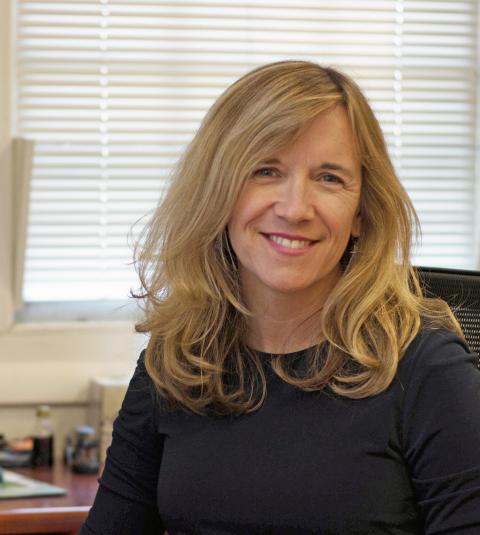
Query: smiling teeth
{"type": "Point", "coordinates": [291, 244]}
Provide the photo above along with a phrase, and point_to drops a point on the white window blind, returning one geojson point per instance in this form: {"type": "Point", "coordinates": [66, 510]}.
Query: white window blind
{"type": "Point", "coordinates": [112, 90]}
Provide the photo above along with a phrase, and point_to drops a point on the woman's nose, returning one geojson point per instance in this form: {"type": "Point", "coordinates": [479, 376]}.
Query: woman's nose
{"type": "Point", "coordinates": [295, 202]}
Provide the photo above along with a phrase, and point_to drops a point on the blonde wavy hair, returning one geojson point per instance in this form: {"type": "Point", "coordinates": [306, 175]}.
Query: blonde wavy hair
{"type": "Point", "coordinates": [192, 299]}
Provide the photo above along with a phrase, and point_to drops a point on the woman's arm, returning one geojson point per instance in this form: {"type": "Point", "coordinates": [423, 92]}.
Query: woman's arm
{"type": "Point", "coordinates": [441, 433]}
{"type": "Point", "coordinates": [126, 502]}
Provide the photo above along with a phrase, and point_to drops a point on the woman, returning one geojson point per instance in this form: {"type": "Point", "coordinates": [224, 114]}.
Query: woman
{"type": "Point", "coordinates": [295, 379]}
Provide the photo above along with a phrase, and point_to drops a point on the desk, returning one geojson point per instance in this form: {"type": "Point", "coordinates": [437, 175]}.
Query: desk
{"type": "Point", "coordinates": [54, 514]}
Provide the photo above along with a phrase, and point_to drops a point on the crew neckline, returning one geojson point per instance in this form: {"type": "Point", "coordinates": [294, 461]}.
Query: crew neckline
{"type": "Point", "coordinates": [298, 353]}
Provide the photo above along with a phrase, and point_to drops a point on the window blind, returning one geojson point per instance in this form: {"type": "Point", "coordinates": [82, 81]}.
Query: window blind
{"type": "Point", "coordinates": [112, 91]}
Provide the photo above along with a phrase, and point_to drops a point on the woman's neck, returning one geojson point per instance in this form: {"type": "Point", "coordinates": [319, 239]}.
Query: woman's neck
{"type": "Point", "coordinates": [284, 323]}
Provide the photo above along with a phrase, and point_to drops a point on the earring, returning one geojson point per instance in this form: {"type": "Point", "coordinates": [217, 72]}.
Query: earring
{"type": "Point", "coordinates": [350, 250]}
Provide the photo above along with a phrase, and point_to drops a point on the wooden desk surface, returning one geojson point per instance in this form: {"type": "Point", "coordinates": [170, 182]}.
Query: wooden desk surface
{"type": "Point", "coordinates": [52, 514]}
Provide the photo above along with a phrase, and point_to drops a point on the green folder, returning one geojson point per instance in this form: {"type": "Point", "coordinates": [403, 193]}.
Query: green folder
{"type": "Point", "coordinates": [13, 485]}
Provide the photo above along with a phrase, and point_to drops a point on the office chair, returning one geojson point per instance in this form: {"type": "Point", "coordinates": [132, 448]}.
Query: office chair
{"type": "Point", "coordinates": [461, 290]}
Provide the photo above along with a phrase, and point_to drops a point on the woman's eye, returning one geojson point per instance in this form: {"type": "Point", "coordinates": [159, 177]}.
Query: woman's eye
{"type": "Point", "coordinates": [331, 179]}
{"type": "Point", "coordinates": [265, 171]}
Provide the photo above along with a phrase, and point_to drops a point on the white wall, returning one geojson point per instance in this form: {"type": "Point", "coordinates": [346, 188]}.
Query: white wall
{"type": "Point", "coordinates": [51, 363]}
{"type": "Point", "coordinates": [54, 364]}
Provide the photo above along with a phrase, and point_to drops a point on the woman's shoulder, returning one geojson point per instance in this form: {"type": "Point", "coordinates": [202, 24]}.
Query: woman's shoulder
{"type": "Point", "coordinates": [144, 395]}
{"type": "Point", "coordinates": [140, 378]}
{"type": "Point", "coordinates": [141, 391]}
{"type": "Point", "coordinates": [435, 350]}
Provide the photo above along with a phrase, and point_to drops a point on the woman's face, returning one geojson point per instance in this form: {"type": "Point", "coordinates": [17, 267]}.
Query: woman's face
{"type": "Point", "coordinates": [294, 216]}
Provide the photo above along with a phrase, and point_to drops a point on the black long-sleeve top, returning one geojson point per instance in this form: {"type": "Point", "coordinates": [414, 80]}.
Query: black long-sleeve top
{"type": "Point", "coordinates": [405, 461]}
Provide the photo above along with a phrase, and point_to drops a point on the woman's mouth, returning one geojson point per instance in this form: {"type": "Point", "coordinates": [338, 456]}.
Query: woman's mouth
{"type": "Point", "coordinates": [289, 243]}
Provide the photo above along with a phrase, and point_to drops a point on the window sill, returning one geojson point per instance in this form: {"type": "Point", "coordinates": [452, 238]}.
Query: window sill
{"type": "Point", "coordinates": [78, 312]}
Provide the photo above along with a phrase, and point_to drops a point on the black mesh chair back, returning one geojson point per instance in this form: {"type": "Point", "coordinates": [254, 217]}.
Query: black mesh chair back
{"type": "Point", "coordinates": [461, 290]}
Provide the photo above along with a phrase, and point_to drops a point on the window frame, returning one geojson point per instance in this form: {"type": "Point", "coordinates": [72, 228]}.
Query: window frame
{"type": "Point", "coordinates": [37, 313]}
{"type": "Point", "coordinates": [6, 178]}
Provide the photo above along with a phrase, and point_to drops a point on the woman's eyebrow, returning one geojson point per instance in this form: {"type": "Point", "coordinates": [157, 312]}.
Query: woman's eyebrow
{"type": "Point", "coordinates": [270, 161]}
{"type": "Point", "coordinates": [331, 166]}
